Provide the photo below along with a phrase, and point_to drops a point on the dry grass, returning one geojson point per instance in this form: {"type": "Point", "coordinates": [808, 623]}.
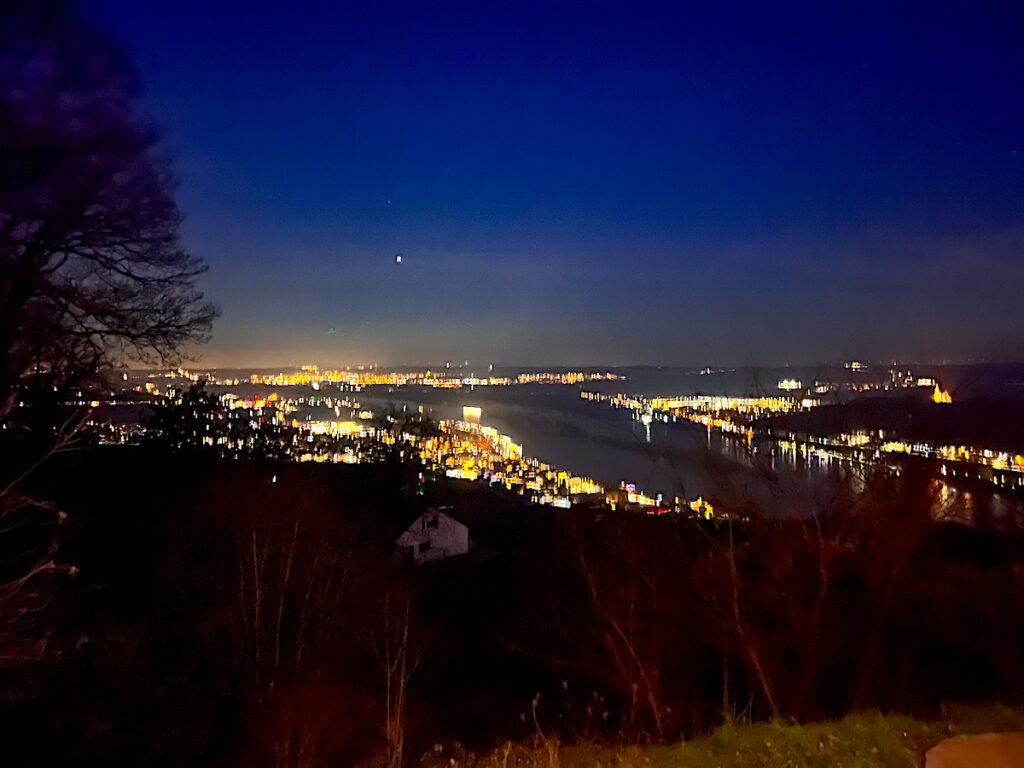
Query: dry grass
{"type": "Point", "coordinates": [863, 740]}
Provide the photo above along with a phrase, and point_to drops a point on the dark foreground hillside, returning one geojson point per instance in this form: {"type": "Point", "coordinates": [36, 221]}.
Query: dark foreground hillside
{"type": "Point", "coordinates": [228, 612]}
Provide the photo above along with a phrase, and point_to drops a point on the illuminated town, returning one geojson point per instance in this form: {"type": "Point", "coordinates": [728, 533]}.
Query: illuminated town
{"type": "Point", "coordinates": [464, 449]}
{"type": "Point", "coordinates": [468, 449]}
{"type": "Point", "coordinates": [750, 418]}
{"type": "Point", "coordinates": [311, 375]}
{"type": "Point", "coordinates": [731, 415]}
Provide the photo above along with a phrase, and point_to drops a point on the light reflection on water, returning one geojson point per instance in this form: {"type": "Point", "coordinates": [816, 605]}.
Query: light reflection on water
{"type": "Point", "coordinates": [609, 445]}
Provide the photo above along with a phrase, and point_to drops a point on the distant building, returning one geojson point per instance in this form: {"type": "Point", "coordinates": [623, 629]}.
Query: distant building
{"type": "Point", "coordinates": [434, 535]}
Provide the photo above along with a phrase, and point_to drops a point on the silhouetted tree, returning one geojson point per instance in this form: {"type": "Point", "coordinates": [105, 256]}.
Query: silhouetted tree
{"type": "Point", "coordinates": [92, 273]}
{"type": "Point", "coordinates": [725, 593]}
{"type": "Point", "coordinates": [399, 657]}
{"type": "Point", "coordinates": [198, 420]}
{"type": "Point", "coordinates": [300, 568]}
{"type": "Point", "coordinates": [400, 430]}
{"type": "Point", "coordinates": [635, 612]}
{"type": "Point", "coordinates": [185, 422]}
{"type": "Point", "coordinates": [893, 525]}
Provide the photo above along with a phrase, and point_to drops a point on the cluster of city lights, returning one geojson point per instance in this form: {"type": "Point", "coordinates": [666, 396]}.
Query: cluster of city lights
{"type": "Point", "coordinates": [1003, 469]}
{"type": "Point", "coordinates": [740, 416]}
{"type": "Point", "coordinates": [312, 376]}
{"type": "Point", "coordinates": [466, 449]}
{"type": "Point", "coordinates": [732, 415]}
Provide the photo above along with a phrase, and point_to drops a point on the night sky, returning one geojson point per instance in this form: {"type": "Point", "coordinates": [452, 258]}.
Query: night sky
{"type": "Point", "coordinates": [594, 183]}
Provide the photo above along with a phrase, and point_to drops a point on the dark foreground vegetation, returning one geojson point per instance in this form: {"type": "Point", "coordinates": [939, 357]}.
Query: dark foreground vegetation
{"type": "Point", "coordinates": [866, 740]}
{"type": "Point", "coordinates": [251, 612]}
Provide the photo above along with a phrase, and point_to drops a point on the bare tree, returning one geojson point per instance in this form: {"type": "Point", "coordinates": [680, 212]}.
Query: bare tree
{"type": "Point", "coordinates": [399, 658]}
{"type": "Point", "coordinates": [293, 582]}
{"type": "Point", "coordinates": [899, 511]}
{"type": "Point", "coordinates": [91, 270]}
{"type": "Point", "coordinates": [299, 570]}
{"type": "Point", "coordinates": [830, 540]}
{"type": "Point", "coordinates": [626, 578]}
{"type": "Point", "coordinates": [745, 633]}
{"type": "Point", "coordinates": [719, 582]}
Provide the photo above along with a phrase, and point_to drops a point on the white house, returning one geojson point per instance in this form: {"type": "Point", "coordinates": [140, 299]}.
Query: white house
{"type": "Point", "coordinates": [434, 535]}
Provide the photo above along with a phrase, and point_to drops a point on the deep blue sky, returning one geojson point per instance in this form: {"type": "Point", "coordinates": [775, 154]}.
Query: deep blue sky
{"type": "Point", "coordinates": [594, 183]}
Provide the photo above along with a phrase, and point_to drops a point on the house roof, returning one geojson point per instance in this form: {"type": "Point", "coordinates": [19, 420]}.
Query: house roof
{"type": "Point", "coordinates": [491, 516]}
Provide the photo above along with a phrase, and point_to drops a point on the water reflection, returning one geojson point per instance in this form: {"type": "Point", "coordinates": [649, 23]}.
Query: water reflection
{"type": "Point", "coordinates": [674, 459]}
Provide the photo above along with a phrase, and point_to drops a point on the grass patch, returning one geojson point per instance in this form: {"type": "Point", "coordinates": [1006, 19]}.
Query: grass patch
{"type": "Point", "coordinates": [862, 740]}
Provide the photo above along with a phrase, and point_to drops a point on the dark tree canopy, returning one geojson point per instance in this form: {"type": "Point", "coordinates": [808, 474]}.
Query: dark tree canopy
{"type": "Point", "coordinates": [92, 273]}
